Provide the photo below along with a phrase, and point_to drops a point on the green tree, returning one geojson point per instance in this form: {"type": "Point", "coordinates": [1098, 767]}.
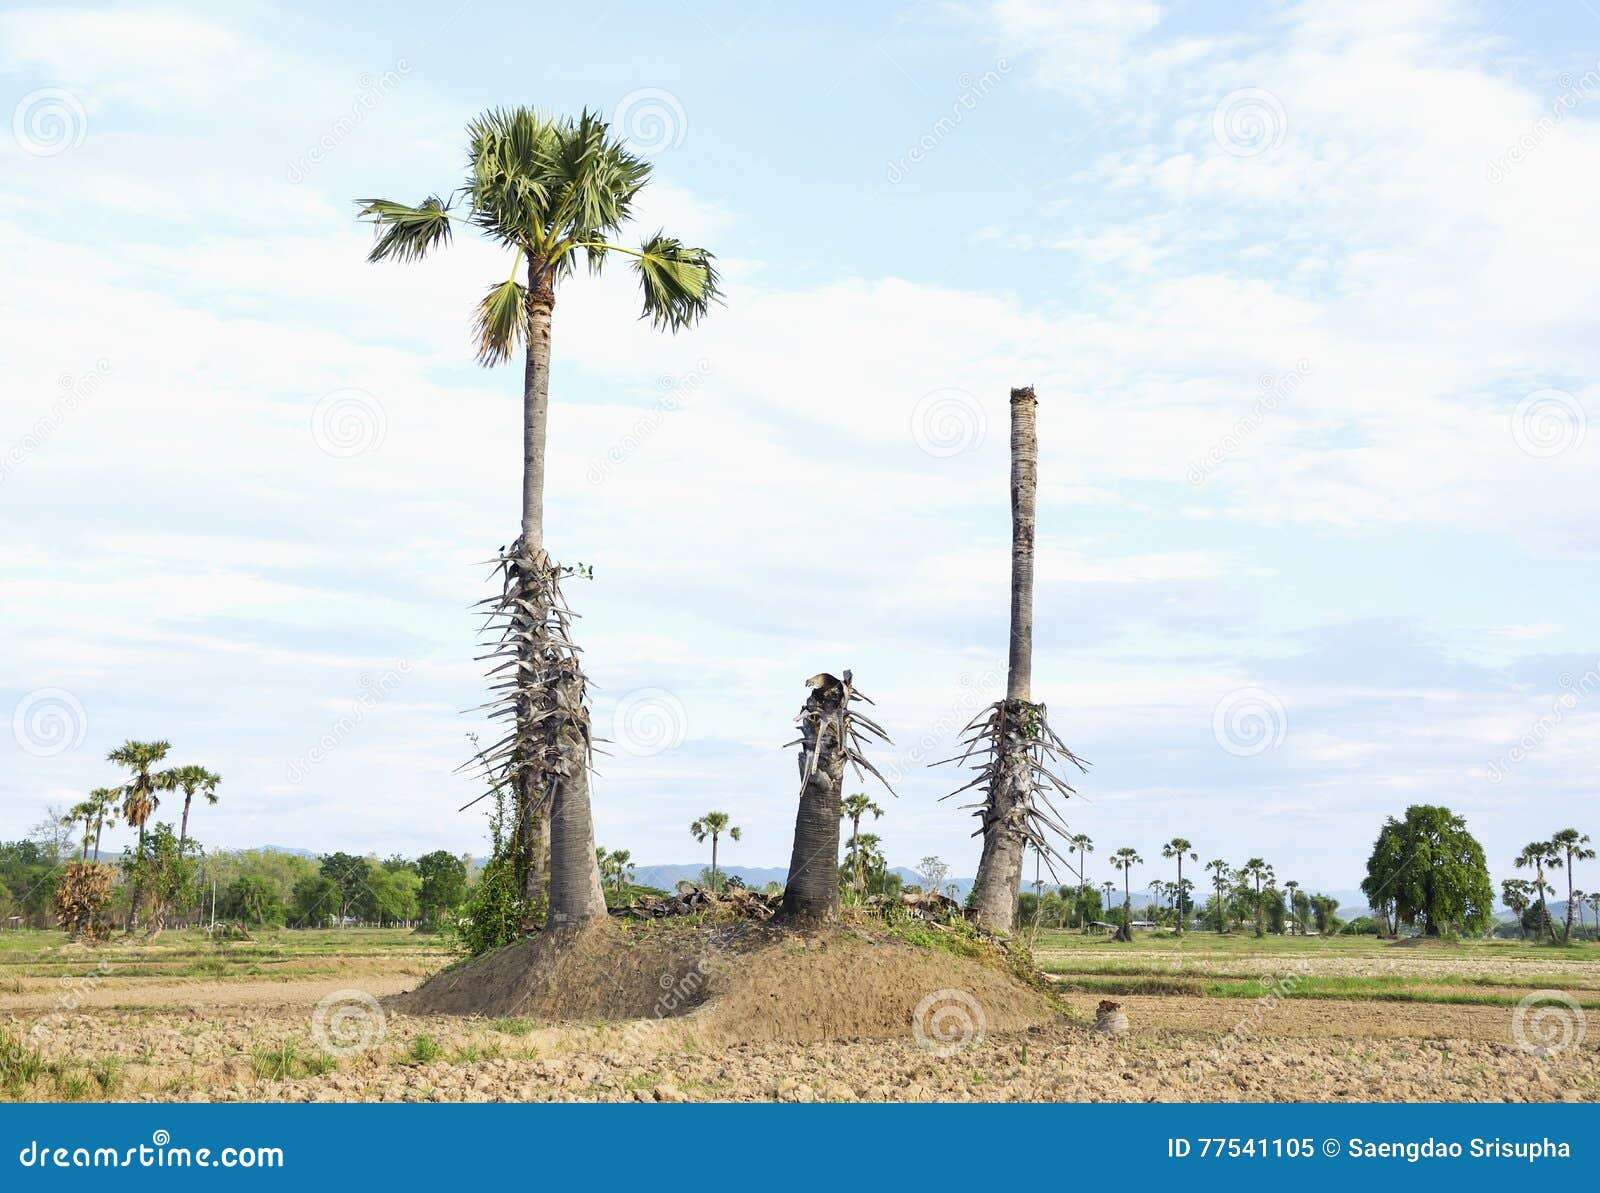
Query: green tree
{"type": "Point", "coordinates": [1221, 874]}
{"type": "Point", "coordinates": [1434, 870]}
{"type": "Point", "coordinates": [1517, 894]}
{"type": "Point", "coordinates": [350, 876]}
{"type": "Point", "coordinates": [140, 796]}
{"type": "Point", "coordinates": [863, 855]}
{"type": "Point", "coordinates": [156, 868]}
{"type": "Point", "coordinates": [1125, 859]}
{"type": "Point", "coordinates": [444, 884]}
{"type": "Point", "coordinates": [1256, 871]}
{"type": "Point", "coordinates": [853, 808]}
{"type": "Point", "coordinates": [1178, 848]}
{"type": "Point", "coordinates": [714, 825]}
{"type": "Point", "coordinates": [1574, 847]}
{"type": "Point", "coordinates": [1540, 856]}
{"type": "Point", "coordinates": [1084, 845]}
{"type": "Point", "coordinates": [253, 899]}
{"type": "Point", "coordinates": [315, 901]}
{"type": "Point", "coordinates": [551, 191]}
{"type": "Point", "coordinates": [190, 780]}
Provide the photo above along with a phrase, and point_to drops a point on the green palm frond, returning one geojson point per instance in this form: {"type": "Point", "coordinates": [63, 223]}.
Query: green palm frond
{"type": "Point", "coordinates": [404, 232]}
{"type": "Point", "coordinates": [680, 283]}
{"type": "Point", "coordinates": [500, 321]}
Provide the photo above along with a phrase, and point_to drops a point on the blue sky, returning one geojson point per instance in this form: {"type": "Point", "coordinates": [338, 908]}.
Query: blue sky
{"type": "Point", "coordinates": [1306, 290]}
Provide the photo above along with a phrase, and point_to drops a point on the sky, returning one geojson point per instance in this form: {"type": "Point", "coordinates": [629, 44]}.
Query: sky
{"type": "Point", "coordinates": [1306, 291]}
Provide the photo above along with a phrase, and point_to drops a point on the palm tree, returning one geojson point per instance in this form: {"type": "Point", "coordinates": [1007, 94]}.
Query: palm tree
{"type": "Point", "coordinates": [864, 855]}
{"type": "Point", "coordinates": [1177, 848]}
{"type": "Point", "coordinates": [1575, 846]}
{"type": "Point", "coordinates": [1537, 856]}
{"type": "Point", "coordinates": [620, 865]}
{"type": "Point", "coordinates": [1517, 894]}
{"type": "Point", "coordinates": [189, 780]}
{"type": "Point", "coordinates": [853, 808]}
{"type": "Point", "coordinates": [105, 801]}
{"type": "Point", "coordinates": [85, 812]}
{"type": "Point", "coordinates": [1107, 886]}
{"type": "Point", "coordinates": [1126, 859]}
{"type": "Point", "coordinates": [551, 191]}
{"type": "Point", "coordinates": [1292, 886]}
{"type": "Point", "coordinates": [1594, 906]}
{"type": "Point", "coordinates": [1084, 845]}
{"type": "Point", "coordinates": [139, 796]}
{"type": "Point", "coordinates": [713, 825]}
{"type": "Point", "coordinates": [1221, 872]}
{"type": "Point", "coordinates": [1258, 871]}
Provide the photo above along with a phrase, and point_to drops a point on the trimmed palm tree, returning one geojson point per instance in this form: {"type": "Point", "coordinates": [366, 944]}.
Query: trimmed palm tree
{"type": "Point", "coordinates": [1539, 856]}
{"type": "Point", "coordinates": [1178, 847]}
{"type": "Point", "coordinates": [1257, 871]}
{"type": "Point", "coordinates": [714, 825]}
{"type": "Point", "coordinates": [1084, 846]}
{"type": "Point", "coordinates": [1015, 733]}
{"type": "Point", "coordinates": [1221, 873]}
{"type": "Point", "coordinates": [1575, 848]}
{"type": "Point", "coordinates": [192, 780]}
{"type": "Point", "coordinates": [853, 808]}
{"type": "Point", "coordinates": [1125, 859]}
{"type": "Point", "coordinates": [553, 191]}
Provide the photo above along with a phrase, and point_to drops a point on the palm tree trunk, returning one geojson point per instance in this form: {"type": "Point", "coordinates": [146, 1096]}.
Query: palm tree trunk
{"type": "Point", "coordinates": [183, 828]}
{"type": "Point", "coordinates": [1004, 840]}
{"type": "Point", "coordinates": [1178, 898]}
{"type": "Point", "coordinates": [576, 896]}
{"type": "Point", "coordinates": [1566, 932]}
{"type": "Point", "coordinates": [812, 889]}
{"type": "Point", "coordinates": [713, 863]}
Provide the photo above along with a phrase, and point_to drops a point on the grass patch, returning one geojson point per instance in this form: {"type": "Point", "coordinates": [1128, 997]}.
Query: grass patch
{"type": "Point", "coordinates": [512, 1027]}
{"type": "Point", "coordinates": [276, 1064]}
{"type": "Point", "coordinates": [424, 1051]}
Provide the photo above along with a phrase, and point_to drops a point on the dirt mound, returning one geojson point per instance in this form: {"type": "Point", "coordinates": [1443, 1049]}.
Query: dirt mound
{"type": "Point", "coordinates": [745, 984]}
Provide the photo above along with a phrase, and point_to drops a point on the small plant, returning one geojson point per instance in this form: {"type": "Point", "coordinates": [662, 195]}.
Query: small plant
{"type": "Point", "coordinates": [20, 1065]}
{"type": "Point", "coordinates": [276, 1064]}
{"type": "Point", "coordinates": [108, 1075]}
{"type": "Point", "coordinates": [72, 1087]}
{"type": "Point", "coordinates": [424, 1051]}
{"type": "Point", "coordinates": [512, 1027]}
{"type": "Point", "coordinates": [468, 1054]}
{"type": "Point", "coordinates": [320, 1064]}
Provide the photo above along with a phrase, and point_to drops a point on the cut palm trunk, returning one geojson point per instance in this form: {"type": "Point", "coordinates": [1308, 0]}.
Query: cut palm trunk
{"type": "Point", "coordinates": [832, 735]}
{"type": "Point", "coordinates": [1018, 756]}
{"type": "Point", "coordinates": [546, 758]}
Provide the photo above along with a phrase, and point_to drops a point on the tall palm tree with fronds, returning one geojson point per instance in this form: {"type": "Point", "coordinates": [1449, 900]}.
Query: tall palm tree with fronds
{"type": "Point", "coordinates": [619, 863]}
{"type": "Point", "coordinates": [104, 800]}
{"type": "Point", "coordinates": [1177, 848]}
{"type": "Point", "coordinates": [140, 796]}
{"type": "Point", "coordinates": [1540, 856]}
{"type": "Point", "coordinates": [192, 780]}
{"type": "Point", "coordinates": [1293, 887]}
{"type": "Point", "coordinates": [1257, 870]}
{"type": "Point", "coordinates": [853, 808]}
{"type": "Point", "coordinates": [553, 191]}
{"type": "Point", "coordinates": [1085, 846]}
{"type": "Point", "coordinates": [1221, 873]}
{"type": "Point", "coordinates": [1125, 859]}
{"type": "Point", "coordinates": [1517, 894]}
{"type": "Point", "coordinates": [714, 825]}
{"type": "Point", "coordinates": [84, 811]}
{"type": "Point", "coordinates": [1575, 847]}
{"type": "Point", "coordinates": [1594, 906]}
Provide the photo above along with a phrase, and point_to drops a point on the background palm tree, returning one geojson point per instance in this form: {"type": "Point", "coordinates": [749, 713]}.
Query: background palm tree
{"type": "Point", "coordinates": [1292, 886]}
{"type": "Point", "coordinates": [84, 812]}
{"type": "Point", "coordinates": [1177, 848]}
{"type": "Point", "coordinates": [1221, 872]}
{"type": "Point", "coordinates": [1107, 886]}
{"type": "Point", "coordinates": [189, 780]}
{"type": "Point", "coordinates": [1594, 906]}
{"type": "Point", "coordinates": [552, 191]}
{"type": "Point", "coordinates": [1575, 848]}
{"type": "Point", "coordinates": [1256, 870]}
{"type": "Point", "coordinates": [1517, 894]}
{"type": "Point", "coordinates": [1538, 856]}
{"type": "Point", "coordinates": [853, 808]}
{"type": "Point", "coordinates": [140, 797]}
{"type": "Point", "coordinates": [105, 801]}
{"type": "Point", "coordinates": [1126, 859]}
{"type": "Point", "coordinates": [620, 866]}
{"type": "Point", "coordinates": [1085, 846]}
{"type": "Point", "coordinates": [713, 825]}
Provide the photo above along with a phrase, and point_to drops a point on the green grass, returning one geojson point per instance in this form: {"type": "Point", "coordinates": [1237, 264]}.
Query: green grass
{"type": "Point", "coordinates": [424, 1051]}
{"type": "Point", "coordinates": [276, 1064]}
{"type": "Point", "coordinates": [512, 1027]}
